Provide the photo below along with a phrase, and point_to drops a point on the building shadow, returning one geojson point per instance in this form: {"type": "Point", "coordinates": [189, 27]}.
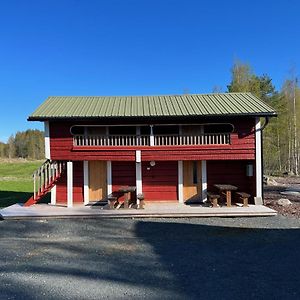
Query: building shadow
{"type": "Point", "coordinates": [8, 198]}
{"type": "Point", "coordinates": [150, 259]}
{"type": "Point", "coordinates": [211, 262]}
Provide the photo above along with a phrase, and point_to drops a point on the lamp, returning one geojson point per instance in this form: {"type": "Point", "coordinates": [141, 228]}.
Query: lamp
{"type": "Point", "coordinates": [152, 163]}
{"type": "Point", "coordinates": [249, 170]}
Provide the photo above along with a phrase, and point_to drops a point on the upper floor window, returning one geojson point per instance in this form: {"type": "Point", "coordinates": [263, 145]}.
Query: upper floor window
{"type": "Point", "coordinates": [218, 128]}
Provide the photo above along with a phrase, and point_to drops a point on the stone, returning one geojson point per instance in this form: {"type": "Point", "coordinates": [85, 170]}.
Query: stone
{"type": "Point", "coordinates": [269, 181]}
{"type": "Point", "coordinates": [284, 202]}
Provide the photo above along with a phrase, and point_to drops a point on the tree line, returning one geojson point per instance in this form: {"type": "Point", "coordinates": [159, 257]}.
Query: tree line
{"type": "Point", "coordinates": [280, 137]}
{"type": "Point", "coordinates": [25, 144]}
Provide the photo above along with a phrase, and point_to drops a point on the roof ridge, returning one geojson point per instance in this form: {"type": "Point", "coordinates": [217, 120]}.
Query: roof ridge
{"type": "Point", "coordinates": [139, 96]}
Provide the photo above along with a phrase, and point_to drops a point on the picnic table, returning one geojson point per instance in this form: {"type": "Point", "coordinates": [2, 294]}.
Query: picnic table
{"type": "Point", "coordinates": [127, 190]}
{"type": "Point", "coordinates": [226, 189]}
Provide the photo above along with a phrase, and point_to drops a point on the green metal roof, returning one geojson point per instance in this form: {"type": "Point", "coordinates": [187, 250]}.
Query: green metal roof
{"type": "Point", "coordinates": [70, 107]}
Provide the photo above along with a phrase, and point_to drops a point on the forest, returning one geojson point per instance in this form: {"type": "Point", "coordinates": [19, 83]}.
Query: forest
{"type": "Point", "coordinates": [280, 137]}
{"type": "Point", "coordinates": [26, 144]}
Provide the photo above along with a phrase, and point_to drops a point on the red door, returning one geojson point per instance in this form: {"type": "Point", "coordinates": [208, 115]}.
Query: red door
{"type": "Point", "coordinates": [160, 182]}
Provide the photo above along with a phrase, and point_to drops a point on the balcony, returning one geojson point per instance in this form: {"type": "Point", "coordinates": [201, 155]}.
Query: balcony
{"type": "Point", "coordinates": [151, 140]}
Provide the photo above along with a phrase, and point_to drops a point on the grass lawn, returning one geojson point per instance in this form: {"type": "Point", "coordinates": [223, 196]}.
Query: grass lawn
{"type": "Point", "coordinates": [16, 185]}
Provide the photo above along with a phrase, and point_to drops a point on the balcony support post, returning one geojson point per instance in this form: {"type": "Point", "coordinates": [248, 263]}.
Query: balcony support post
{"type": "Point", "coordinates": [204, 180]}
{"type": "Point", "coordinates": [109, 177]}
{"type": "Point", "coordinates": [180, 181]}
{"type": "Point", "coordinates": [138, 175]}
{"type": "Point", "coordinates": [70, 184]}
{"type": "Point", "coordinates": [86, 182]}
{"type": "Point", "coordinates": [152, 143]}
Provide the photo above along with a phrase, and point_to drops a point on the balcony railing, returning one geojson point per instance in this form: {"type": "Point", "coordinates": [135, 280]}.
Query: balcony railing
{"type": "Point", "coordinates": [156, 140]}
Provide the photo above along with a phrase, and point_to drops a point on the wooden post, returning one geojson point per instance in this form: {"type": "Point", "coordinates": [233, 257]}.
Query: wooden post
{"type": "Point", "coordinates": [180, 181]}
{"type": "Point", "coordinates": [70, 184]}
{"type": "Point", "coordinates": [204, 180]}
{"type": "Point", "coordinates": [34, 185]}
{"type": "Point", "coordinates": [258, 162]}
{"type": "Point", "coordinates": [228, 198]}
{"type": "Point", "coordinates": [86, 182]}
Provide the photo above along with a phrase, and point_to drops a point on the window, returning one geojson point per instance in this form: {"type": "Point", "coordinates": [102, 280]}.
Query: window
{"type": "Point", "coordinates": [77, 130]}
{"type": "Point", "coordinates": [166, 130]}
{"type": "Point", "coordinates": [218, 128]}
{"type": "Point", "coordinates": [122, 130]}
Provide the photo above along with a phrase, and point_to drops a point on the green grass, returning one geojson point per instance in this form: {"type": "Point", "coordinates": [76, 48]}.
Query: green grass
{"type": "Point", "coordinates": [16, 185]}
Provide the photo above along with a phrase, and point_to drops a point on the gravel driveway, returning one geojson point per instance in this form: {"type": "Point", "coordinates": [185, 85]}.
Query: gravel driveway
{"type": "Point", "coordinates": [213, 258]}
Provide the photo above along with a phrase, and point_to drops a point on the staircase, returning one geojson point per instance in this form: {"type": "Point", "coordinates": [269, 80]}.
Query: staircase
{"type": "Point", "coordinates": [44, 178]}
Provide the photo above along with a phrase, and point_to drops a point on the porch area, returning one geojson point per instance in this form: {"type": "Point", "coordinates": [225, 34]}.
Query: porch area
{"type": "Point", "coordinates": [151, 210]}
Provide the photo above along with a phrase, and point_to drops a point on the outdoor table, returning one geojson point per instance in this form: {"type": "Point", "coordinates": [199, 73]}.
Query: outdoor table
{"type": "Point", "coordinates": [226, 188]}
{"type": "Point", "coordinates": [127, 190]}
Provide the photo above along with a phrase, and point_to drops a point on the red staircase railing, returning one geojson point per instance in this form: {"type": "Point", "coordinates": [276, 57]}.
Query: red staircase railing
{"type": "Point", "coordinates": [44, 178]}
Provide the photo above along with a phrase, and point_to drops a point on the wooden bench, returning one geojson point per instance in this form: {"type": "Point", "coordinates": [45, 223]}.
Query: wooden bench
{"type": "Point", "coordinates": [213, 198]}
{"type": "Point", "coordinates": [244, 197]}
{"type": "Point", "coordinates": [141, 199]}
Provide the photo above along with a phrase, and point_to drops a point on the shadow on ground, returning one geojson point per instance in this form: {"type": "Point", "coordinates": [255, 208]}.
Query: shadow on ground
{"type": "Point", "coordinates": [8, 198]}
{"type": "Point", "coordinates": [90, 259]}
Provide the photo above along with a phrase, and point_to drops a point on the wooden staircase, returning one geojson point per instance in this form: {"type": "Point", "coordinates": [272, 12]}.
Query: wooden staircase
{"type": "Point", "coordinates": [44, 178]}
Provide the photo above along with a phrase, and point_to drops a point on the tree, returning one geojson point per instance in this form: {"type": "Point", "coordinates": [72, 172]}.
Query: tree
{"type": "Point", "coordinates": [245, 80]}
{"type": "Point", "coordinates": [25, 144]}
{"type": "Point", "coordinates": [11, 147]}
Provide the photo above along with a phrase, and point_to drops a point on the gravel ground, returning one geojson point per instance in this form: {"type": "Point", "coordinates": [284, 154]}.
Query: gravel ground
{"type": "Point", "coordinates": [204, 258]}
{"type": "Point", "coordinates": [273, 192]}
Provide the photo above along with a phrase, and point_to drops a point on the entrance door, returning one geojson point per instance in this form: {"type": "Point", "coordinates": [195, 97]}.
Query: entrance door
{"type": "Point", "coordinates": [160, 180]}
{"type": "Point", "coordinates": [97, 180]}
{"type": "Point", "coordinates": [192, 188]}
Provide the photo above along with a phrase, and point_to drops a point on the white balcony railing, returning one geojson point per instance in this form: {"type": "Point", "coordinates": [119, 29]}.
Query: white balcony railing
{"type": "Point", "coordinates": [157, 140]}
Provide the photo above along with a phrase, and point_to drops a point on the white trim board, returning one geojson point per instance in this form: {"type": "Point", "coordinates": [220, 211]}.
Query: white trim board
{"type": "Point", "coordinates": [53, 195]}
{"type": "Point", "coordinates": [109, 177]}
{"type": "Point", "coordinates": [180, 181]}
{"type": "Point", "coordinates": [47, 140]}
{"type": "Point", "coordinates": [70, 184]}
{"type": "Point", "coordinates": [204, 180]}
{"type": "Point", "coordinates": [258, 162]}
{"type": "Point", "coordinates": [86, 194]}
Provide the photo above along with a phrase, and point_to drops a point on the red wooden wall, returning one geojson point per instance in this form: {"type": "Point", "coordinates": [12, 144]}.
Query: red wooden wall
{"type": "Point", "coordinates": [242, 147]}
{"type": "Point", "coordinates": [61, 187]}
{"type": "Point", "coordinates": [231, 172]}
{"type": "Point", "coordinates": [123, 173]}
{"type": "Point", "coordinates": [160, 182]}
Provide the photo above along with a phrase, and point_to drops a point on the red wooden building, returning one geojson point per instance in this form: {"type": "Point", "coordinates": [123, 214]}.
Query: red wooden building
{"type": "Point", "coordinates": [171, 148]}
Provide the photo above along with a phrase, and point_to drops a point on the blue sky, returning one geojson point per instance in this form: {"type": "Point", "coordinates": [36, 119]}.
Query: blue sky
{"type": "Point", "coordinates": [136, 47]}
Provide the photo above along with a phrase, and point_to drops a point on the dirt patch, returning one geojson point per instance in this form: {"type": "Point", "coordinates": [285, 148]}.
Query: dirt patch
{"type": "Point", "coordinates": [290, 187]}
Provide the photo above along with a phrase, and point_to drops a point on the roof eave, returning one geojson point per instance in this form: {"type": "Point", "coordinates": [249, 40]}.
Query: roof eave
{"type": "Point", "coordinates": [262, 114]}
